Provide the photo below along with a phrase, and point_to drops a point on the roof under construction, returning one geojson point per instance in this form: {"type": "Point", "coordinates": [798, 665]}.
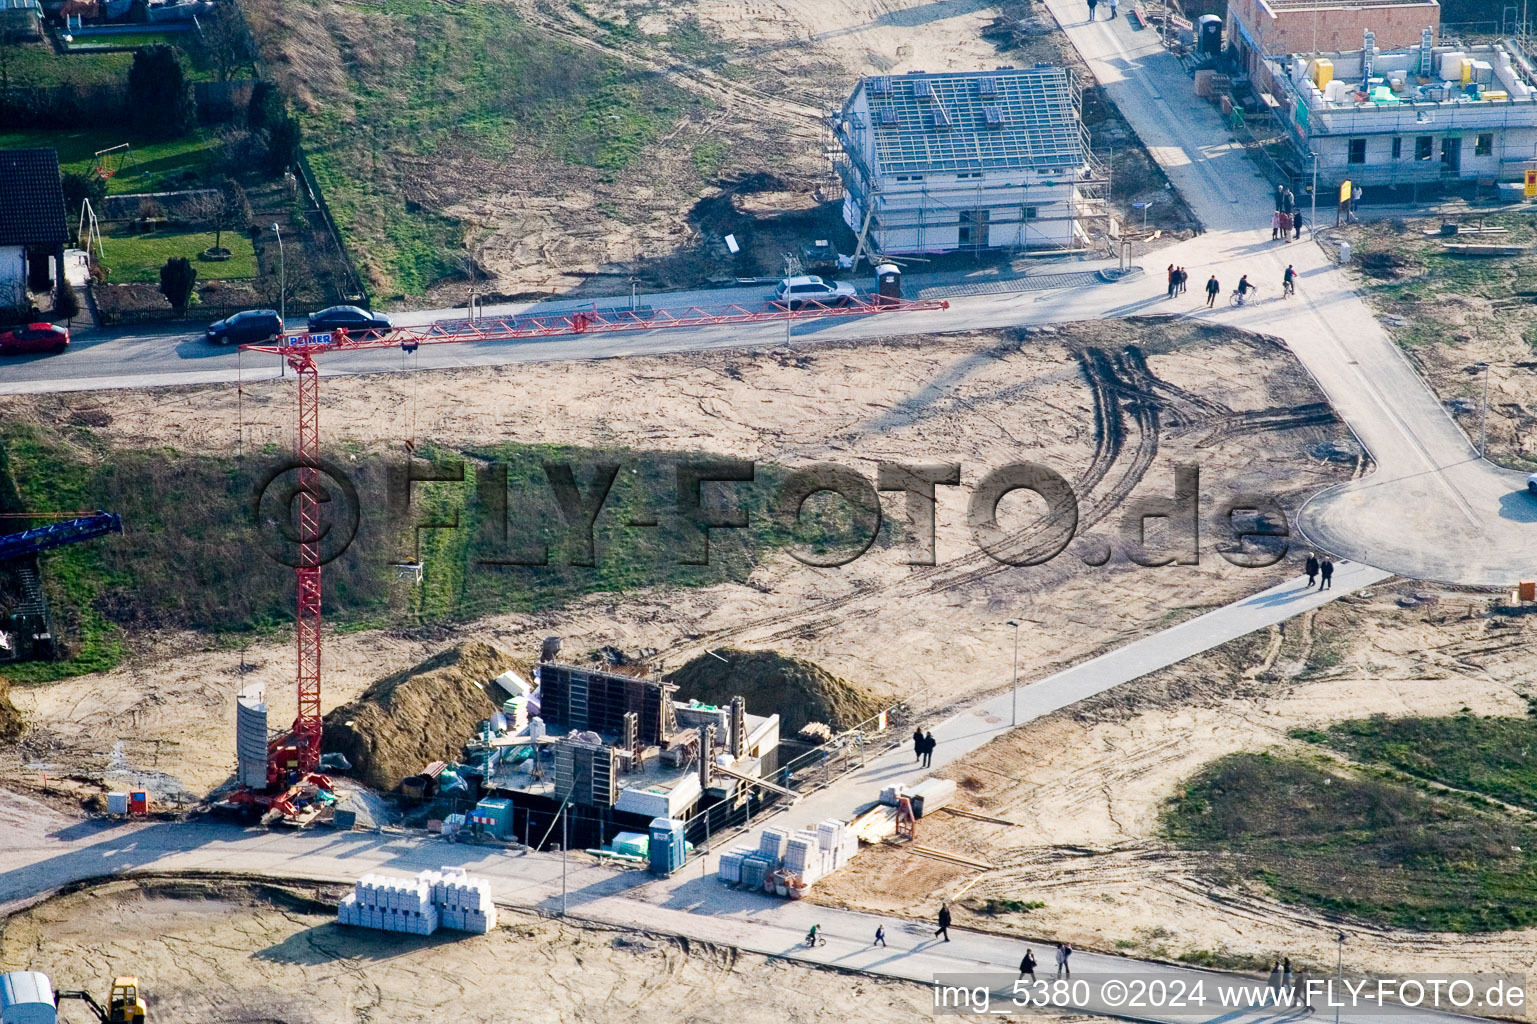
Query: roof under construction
{"type": "Point", "coordinates": [1005, 119]}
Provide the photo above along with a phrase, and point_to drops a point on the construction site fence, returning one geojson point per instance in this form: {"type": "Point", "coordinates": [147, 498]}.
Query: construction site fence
{"type": "Point", "coordinates": [817, 768]}
{"type": "Point", "coordinates": [358, 291]}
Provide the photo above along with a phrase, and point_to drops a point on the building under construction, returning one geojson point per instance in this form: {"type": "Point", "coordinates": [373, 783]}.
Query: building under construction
{"type": "Point", "coordinates": [966, 161]}
{"type": "Point", "coordinates": [615, 751]}
{"type": "Point", "coordinates": [1425, 115]}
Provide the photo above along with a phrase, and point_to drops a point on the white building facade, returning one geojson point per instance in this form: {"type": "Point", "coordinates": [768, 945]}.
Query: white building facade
{"type": "Point", "coordinates": [935, 163]}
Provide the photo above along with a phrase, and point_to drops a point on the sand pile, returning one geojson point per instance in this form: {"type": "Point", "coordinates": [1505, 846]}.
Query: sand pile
{"type": "Point", "coordinates": [426, 713]}
{"type": "Point", "coordinates": [795, 689]}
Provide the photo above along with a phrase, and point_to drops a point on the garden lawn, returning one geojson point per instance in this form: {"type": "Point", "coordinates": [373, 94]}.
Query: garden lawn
{"type": "Point", "coordinates": [131, 258]}
{"type": "Point", "coordinates": [154, 160]}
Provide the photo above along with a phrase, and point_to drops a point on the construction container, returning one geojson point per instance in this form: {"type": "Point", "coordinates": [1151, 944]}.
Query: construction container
{"type": "Point", "coordinates": [1323, 72]}
{"type": "Point", "coordinates": [494, 815]}
{"type": "Point", "coordinates": [1451, 67]}
{"type": "Point", "coordinates": [117, 803]}
{"type": "Point", "coordinates": [668, 848]}
{"type": "Point", "coordinates": [26, 997]}
{"type": "Point", "coordinates": [138, 801]}
{"type": "Point", "coordinates": [1526, 590]}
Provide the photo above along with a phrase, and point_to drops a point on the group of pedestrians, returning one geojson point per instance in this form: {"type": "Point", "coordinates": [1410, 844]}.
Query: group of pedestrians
{"type": "Point", "coordinates": [1177, 280]}
{"type": "Point", "coordinates": [1289, 988]}
{"type": "Point", "coordinates": [1286, 222]}
{"type": "Point", "coordinates": [1064, 953]}
{"type": "Point", "coordinates": [923, 745]}
{"type": "Point", "coordinates": [1321, 571]}
{"type": "Point", "coordinates": [1114, 6]}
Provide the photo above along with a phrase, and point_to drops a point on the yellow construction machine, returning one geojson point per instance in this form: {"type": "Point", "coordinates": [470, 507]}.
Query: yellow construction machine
{"type": "Point", "coordinates": [124, 1004]}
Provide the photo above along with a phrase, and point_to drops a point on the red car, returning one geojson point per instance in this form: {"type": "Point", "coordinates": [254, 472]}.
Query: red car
{"type": "Point", "coordinates": [33, 338]}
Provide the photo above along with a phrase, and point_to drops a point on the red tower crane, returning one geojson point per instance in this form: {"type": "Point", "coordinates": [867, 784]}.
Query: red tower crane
{"type": "Point", "coordinates": [301, 750]}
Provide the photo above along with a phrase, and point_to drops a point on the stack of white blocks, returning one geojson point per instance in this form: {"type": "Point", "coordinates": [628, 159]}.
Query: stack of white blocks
{"type": "Point", "coordinates": [731, 864]}
{"type": "Point", "coordinates": [391, 905]}
{"type": "Point", "coordinates": [815, 854]}
{"type": "Point", "coordinates": [418, 906]}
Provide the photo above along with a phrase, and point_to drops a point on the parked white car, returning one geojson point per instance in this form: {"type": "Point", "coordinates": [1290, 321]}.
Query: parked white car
{"type": "Point", "coordinates": [796, 292]}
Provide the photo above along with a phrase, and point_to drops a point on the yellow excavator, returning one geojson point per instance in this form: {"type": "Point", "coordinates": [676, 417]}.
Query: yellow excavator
{"type": "Point", "coordinates": [124, 1004]}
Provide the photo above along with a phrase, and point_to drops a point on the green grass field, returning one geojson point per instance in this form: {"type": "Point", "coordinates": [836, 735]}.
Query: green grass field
{"type": "Point", "coordinates": [154, 160]}
{"type": "Point", "coordinates": [1494, 757]}
{"type": "Point", "coordinates": [1378, 849]}
{"type": "Point", "coordinates": [132, 258]}
{"type": "Point", "coordinates": [191, 559]}
{"type": "Point", "coordinates": [36, 66]}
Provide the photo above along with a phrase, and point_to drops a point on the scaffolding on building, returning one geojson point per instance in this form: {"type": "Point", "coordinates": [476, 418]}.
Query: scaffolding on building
{"type": "Point", "coordinates": [1053, 148]}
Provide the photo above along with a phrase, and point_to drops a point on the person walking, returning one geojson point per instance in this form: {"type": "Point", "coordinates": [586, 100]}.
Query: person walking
{"type": "Point", "coordinates": [1212, 288]}
{"type": "Point", "coordinates": [1275, 225]}
{"type": "Point", "coordinates": [1173, 280]}
{"type": "Point", "coordinates": [1273, 986]}
{"type": "Point", "coordinates": [1355, 197]}
{"type": "Point", "coordinates": [918, 743]}
{"type": "Point", "coordinates": [1286, 226]}
{"type": "Point", "coordinates": [1311, 568]}
{"type": "Point", "coordinates": [1063, 952]}
{"type": "Point", "coordinates": [880, 936]}
{"type": "Point", "coordinates": [1091, 9]}
{"type": "Point", "coordinates": [1300, 997]}
{"type": "Point", "coordinates": [1297, 224]}
{"type": "Point", "coordinates": [1114, 6]}
{"type": "Point", "coordinates": [1288, 201]}
{"type": "Point", "coordinates": [1180, 277]}
{"type": "Point", "coordinates": [944, 922]}
{"type": "Point", "coordinates": [1288, 981]}
{"type": "Point", "coordinates": [1289, 281]}
{"type": "Point", "coordinates": [1326, 574]}
{"type": "Point", "coordinates": [929, 743]}
{"type": "Point", "coordinates": [1280, 197]}
{"type": "Point", "coordinates": [1027, 966]}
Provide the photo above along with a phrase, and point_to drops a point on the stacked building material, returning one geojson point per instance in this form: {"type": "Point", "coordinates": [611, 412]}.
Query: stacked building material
{"type": "Point", "coordinates": [391, 905]}
{"type": "Point", "coordinates": [418, 906]}
{"type": "Point", "coordinates": [930, 795]}
{"type": "Point", "coordinates": [731, 864]}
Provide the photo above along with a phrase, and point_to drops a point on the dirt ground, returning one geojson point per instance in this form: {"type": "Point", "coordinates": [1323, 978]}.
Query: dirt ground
{"type": "Point", "coordinates": [1450, 314]}
{"type": "Point", "coordinates": [226, 954]}
{"type": "Point", "coordinates": [1113, 406]}
{"type": "Point", "coordinates": [749, 160]}
{"type": "Point", "coordinates": [1083, 859]}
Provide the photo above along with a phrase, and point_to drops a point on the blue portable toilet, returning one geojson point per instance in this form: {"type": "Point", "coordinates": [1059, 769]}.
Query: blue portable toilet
{"type": "Point", "coordinates": [668, 846]}
{"type": "Point", "coordinates": [26, 997]}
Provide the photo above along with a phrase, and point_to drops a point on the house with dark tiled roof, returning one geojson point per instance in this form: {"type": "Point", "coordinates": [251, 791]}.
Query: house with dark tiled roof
{"type": "Point", "coordinates": [32, 229]}
{"type": "Point", "coordinates": [967, 160]}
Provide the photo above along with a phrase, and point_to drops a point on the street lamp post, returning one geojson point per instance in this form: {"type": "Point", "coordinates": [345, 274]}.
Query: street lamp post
{"type": "Point", "coordinates": [1313, 223]}
{"type": "Point", "coordinates": [1483, 413]}
{"type": "Point", "coordinates": [1014, 697]}
{"type": "Point", "coordinates": [282, 275]}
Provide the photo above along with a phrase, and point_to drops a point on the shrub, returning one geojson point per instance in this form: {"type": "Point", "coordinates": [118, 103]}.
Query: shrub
{"type": "Point", "coordinates": [160, 98]}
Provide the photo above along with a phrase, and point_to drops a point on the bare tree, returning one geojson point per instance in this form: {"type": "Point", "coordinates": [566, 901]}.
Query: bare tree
{"type": "Point", "coordinates": [223, 208]}
{"type": "Point", "coordinates": [226, 39]}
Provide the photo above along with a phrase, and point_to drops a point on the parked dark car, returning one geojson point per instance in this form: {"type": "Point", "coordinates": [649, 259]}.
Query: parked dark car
{"type": "Point", "coordinates": [249, 328]}
{"type": "Point", "coordinates": [358, 322]}
{"type": "Point", "coordinates": [33, 338]}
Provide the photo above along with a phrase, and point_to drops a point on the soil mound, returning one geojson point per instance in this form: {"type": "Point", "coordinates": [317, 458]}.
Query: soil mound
{"type": "Point", "coordinates": [10, 718]}
{"type": "Point", "coordinates": [795, 689]}
{"type": "Point", "coordinates": [426, 713]}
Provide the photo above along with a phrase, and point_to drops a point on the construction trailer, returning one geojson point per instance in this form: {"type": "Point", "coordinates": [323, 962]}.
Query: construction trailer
{"type": "Point", "coordinates": [610, 752]}
{"type": "Point", "coordinates": [1426, 115]}
{"type": "Point", "coordinates": [935, 163]}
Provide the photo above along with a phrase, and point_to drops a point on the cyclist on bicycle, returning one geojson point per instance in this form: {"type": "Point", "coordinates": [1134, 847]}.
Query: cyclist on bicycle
{"type": "Point", "coordinates": [1289, 281]}
{"type": "Point", "coordinates": [813, 935]}
{"type": "Point", "coordinates": [1244, 287]}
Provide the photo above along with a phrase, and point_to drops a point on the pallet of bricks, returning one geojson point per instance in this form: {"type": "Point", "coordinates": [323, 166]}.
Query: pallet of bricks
{"type": "Point", "coordinates": [789, 863]}
{"type": "Point", "coordinates": [449, 898]}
